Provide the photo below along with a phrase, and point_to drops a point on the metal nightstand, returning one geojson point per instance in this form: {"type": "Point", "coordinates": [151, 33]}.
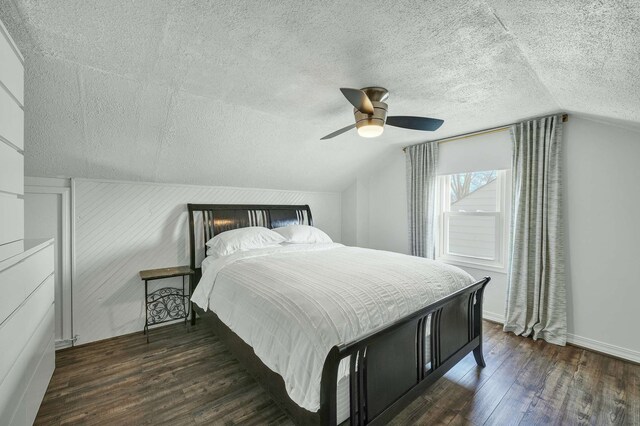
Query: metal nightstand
{"type": "Point", "coordinates": [167, 303]}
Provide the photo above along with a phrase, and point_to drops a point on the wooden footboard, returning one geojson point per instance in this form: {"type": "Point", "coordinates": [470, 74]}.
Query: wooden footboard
{"type": "Point", "coordinates": [388, 368]}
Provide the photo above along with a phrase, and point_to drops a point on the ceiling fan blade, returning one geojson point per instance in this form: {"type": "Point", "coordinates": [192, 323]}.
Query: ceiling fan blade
{"type": "Point", "coordinates": [338, 132]}
{"type": "Point", "coordinates": [415, 123]}
{"type": "Point", "coordinates": [358, 99]}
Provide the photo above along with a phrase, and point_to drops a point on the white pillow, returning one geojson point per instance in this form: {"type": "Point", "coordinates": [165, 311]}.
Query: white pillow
{"type": "Point", "coordinates": [303, 234]}
{"type": "Point", "coordinates": [242, 239]}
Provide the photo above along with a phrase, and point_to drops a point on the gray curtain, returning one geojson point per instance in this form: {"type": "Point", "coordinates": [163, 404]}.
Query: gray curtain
{"type": "Point", "coordinates": [536, 304]}
{"type": "Point", "coordinates": [422, 162]}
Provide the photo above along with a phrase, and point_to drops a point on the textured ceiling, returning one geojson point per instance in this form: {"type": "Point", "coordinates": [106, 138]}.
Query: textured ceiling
{"type": "Point", "coordinates": [238, 93]}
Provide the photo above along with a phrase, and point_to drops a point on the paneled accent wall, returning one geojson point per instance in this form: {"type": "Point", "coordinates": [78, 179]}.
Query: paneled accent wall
{"type": "Point", "coordinates": [11, 146]}
{"type": "Point", "coordinates": [122, 228]}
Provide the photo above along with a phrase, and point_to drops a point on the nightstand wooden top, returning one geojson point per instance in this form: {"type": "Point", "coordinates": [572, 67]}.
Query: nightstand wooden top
{"type": "Point", "coordinates": [156, 274]}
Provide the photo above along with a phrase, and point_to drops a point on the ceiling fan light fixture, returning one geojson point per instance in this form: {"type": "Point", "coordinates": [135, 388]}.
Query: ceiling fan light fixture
{"type": "Point", "coordinates": [370, 114]}
{"type": "Point", "coordinates": [371, 125]}
{"type": "Point", "coordinates": [370, 130]}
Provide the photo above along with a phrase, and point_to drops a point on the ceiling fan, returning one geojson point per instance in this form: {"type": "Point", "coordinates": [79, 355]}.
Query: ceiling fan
{"type": "Point", "coordinates": [370, 113]}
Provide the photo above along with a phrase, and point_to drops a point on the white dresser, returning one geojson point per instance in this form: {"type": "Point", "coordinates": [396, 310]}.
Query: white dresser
{"type": "Point", "coordinates": [27, 358]}
{"type": "Point", "coordinates": [27, 354]}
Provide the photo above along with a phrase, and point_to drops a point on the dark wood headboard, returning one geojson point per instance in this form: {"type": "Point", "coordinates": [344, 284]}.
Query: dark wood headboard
{"type": "Point", "coordinates": [217, 218]}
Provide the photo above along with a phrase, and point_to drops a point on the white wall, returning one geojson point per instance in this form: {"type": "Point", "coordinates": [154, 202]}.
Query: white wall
{"type": "Point", "coordinates": [388, 221]}
{"type": "Point", "coordinates": [602, 200]}
{"type": "Point", "coordinates": [602, 175]}
{"type": "Point", "coordinates": [362, 212]}
{"type": "Point", "coordinates": [349, 216]}
{"type": "Point", "coordinates": [122, 228]}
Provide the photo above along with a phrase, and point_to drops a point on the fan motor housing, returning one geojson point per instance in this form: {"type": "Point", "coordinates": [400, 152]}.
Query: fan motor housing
{"type": "Point", "coordinates": [377, 96]}
{"type": "Point", "coordinates": [377, 118]}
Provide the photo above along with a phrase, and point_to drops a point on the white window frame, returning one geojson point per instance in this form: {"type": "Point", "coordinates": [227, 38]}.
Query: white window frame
{"type": "Point", "coordinates": [501, 259]}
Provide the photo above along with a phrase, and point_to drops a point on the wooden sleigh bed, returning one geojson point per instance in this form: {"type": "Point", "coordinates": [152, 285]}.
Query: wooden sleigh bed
{"type": "Point", "coordinates": [387, 368]}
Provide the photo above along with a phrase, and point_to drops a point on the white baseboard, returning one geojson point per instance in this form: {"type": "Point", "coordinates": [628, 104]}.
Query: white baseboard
{"type": "Point", "coordinates": [493, 317]}
{"type": "Point", "coordinates": [583, 342]}
{"type": "Point", "coordinates": [63, 344]}
{"type": "Point", "coordinates": [605, 348]}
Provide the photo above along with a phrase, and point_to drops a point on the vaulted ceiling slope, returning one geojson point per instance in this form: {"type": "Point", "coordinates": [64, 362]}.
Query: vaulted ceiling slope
{"type": "Point", "coordinates": [239, 92]}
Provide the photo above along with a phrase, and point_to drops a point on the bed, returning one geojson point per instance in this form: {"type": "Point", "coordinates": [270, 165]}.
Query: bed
{"type": "Point", "coordinates": [346, 372]}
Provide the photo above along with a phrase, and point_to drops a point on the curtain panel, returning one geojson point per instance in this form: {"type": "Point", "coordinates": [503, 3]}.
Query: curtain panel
{"type": "Point", "coordinates": [422, 161]}
{"type": "Point", "coordinates": [536, 301]}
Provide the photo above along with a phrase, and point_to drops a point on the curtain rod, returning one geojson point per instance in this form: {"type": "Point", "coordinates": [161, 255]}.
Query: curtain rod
{"type": "Point", "coordinates": [565, 117]}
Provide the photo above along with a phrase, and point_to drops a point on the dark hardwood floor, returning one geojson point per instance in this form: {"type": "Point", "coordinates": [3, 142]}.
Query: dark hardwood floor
{"type": "Point", "coordinates": [190, 378]}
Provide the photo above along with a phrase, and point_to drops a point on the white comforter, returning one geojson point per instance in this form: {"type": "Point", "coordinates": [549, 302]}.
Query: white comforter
{"type": "Point", "coordinates": [293, 303]}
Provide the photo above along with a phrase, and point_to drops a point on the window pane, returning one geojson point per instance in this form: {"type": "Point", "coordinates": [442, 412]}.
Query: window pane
{"type": "Point", "coordinates": [475, 191]}
{"type": "Point", "coordinates": [470, 235]}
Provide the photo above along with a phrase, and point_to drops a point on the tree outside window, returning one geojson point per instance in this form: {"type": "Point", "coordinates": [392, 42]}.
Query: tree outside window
{"type": "Point", "coordinates": [463, 184]}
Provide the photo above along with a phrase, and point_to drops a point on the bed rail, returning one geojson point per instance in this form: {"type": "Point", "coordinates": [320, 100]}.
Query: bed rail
{"type": "Point", "coordinates": [388, 368]}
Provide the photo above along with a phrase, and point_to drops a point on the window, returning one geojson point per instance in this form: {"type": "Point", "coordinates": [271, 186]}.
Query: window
{"type": "Point", "coordinates": [473, 219]}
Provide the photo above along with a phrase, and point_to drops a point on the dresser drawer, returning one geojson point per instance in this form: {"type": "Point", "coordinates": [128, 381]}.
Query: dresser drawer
{"type": "Point", "coordinates": [12, 70]}
{"type": "Point", "coordinates": [18, 281]}
{"type": "Point", "coordinates": [25, 383]}
{"type": "Point", "coordinates": [23, 323]}
{"type": "Point", "coordinates": [11, 170]}
{"type": "Point", "coordinates": [11, 120]}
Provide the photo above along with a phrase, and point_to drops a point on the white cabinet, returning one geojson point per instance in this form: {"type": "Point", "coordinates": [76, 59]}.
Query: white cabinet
{"type": "Point", "coordinates": [11, 170]}
{"type": "Point", "coordinates": [27, 354]}
{"type": "Point", "coordinates": [12, 70]}
{"type": "Point", "coordinates": [11, 120]}
{"type": "Point", "coordinates": [27, 359]}
{"type": "Point", "coordinates": [11, 146]}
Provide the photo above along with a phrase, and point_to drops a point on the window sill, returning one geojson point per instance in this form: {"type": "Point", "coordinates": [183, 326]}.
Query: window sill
{"type": "Point", "coordinates": [479, 266]}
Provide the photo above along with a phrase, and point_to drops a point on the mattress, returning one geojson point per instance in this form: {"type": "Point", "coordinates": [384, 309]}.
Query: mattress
{"type": "Point", "coordinates": [293, 303]}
